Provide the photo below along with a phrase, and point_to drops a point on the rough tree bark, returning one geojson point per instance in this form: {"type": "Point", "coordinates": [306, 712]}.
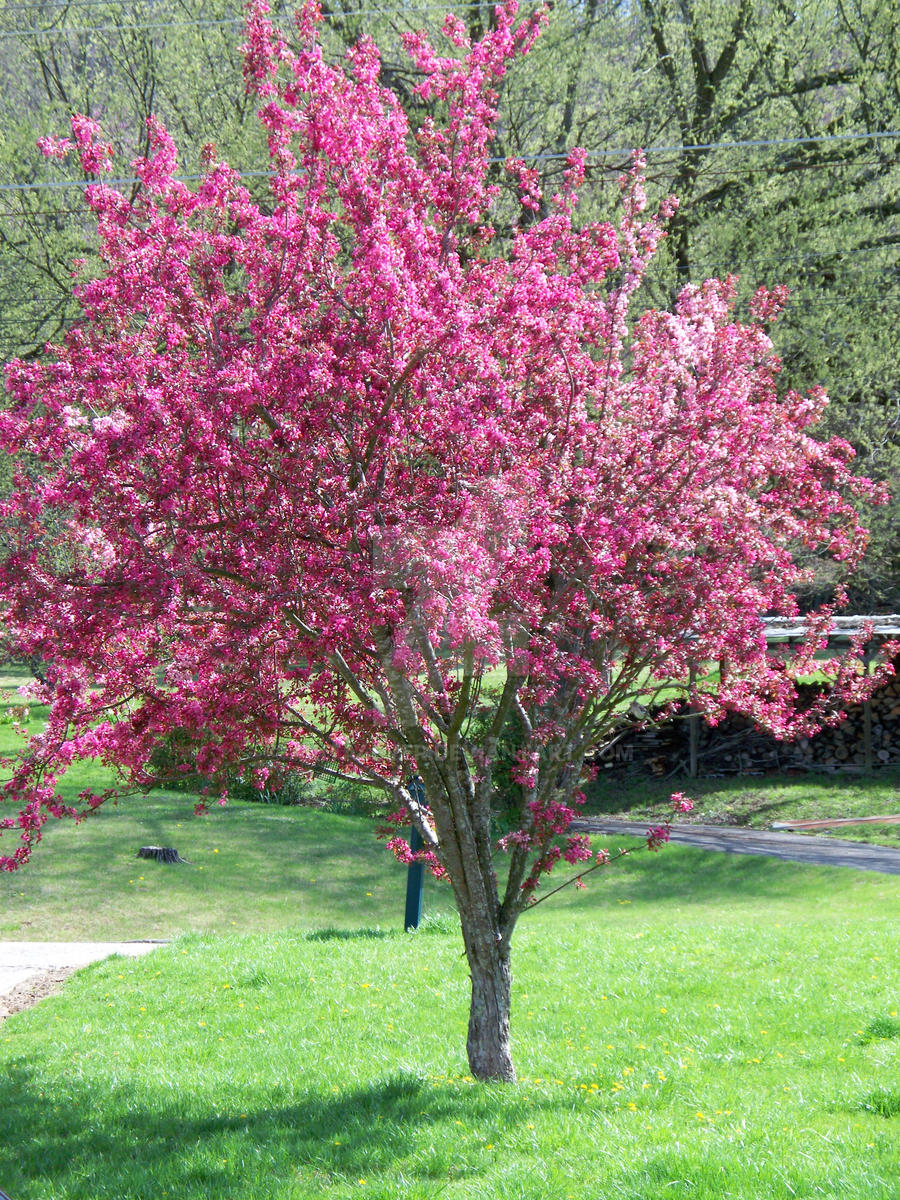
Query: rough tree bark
{"type": "Point", "coordinates": [488, 1045]}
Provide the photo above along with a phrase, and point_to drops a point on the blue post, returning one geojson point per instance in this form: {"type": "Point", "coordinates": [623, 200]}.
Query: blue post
{"type": "Point", "coordinates": [415, 884]}
{"type": "Point", "coordinates": [415, 878]}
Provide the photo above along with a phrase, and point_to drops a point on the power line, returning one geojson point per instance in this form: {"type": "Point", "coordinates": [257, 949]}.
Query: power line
{"type": "Point", "coordinates": [781, 169]}
{"type": "Point", "coordinates": [830, 260]}
{"type": "Point", "coordinates": [56, 184]}
{"type": "Point", "coordinates": [550, 156]}
{"type": "Point", "coordinates": [750, 143]}
{"type": "Point", "coordinates": [279, 10]}
{"type": "Point", "coordinates": [794, 298]}
{"type": "Point", "coordinates": [842, 272]}
{"type": "Point", "coordinates": [207, 22]}
{"type": "Point", "coordinates": [71, 31]}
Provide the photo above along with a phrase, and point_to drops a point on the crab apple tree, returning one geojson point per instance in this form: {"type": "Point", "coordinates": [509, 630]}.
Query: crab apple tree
{"type": "Point", "coordinates": [335, 482]}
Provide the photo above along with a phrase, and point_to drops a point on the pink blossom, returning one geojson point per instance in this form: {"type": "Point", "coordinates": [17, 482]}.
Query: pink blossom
{"type": "Point", "coordinates": [657, 836]}
{"type": "Point", "coordinates": [577, 848]}
{"type": "Point", "coordinates": [54, 147]}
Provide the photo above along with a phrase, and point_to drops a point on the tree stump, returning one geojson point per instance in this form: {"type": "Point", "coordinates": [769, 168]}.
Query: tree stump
{"type": "Point", "coordinates": [163, 854]}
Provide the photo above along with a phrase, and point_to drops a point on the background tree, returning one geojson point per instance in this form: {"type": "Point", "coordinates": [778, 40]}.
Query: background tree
{"type": "Point", "coordinates": [338, 486]}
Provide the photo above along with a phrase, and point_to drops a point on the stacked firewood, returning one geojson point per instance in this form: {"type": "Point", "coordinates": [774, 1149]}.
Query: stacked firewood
{"type": "Point", "coordinates": [869, 736]}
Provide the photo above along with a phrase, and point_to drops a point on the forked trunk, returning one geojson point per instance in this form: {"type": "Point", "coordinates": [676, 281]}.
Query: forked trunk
{"type": "Point", "coordinates": [488, 1045]}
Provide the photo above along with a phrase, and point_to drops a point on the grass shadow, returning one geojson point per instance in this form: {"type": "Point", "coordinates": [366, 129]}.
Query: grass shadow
{"type": "Point", "coordinates": [86, 1142]}
{"type": "Point", "coordinates": [744, 799]}
{"type": "Point", "coordinates": [332, 934]}
{"type": "Point", "coordinates": [880, 1028]}
{"type": "Point", "coordinates": [883, 1103]}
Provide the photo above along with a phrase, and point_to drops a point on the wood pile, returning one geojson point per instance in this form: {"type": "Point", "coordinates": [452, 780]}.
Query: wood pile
{"type": "Point", "coordinates": [868, 738]}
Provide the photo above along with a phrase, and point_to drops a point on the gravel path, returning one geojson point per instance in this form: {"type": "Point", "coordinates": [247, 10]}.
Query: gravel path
{"type": "Point", "coordinates": [794, 847]}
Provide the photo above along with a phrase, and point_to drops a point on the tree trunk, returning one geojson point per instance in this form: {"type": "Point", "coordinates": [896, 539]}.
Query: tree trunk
{"type": "Point", "coordinates": [488, 1045]}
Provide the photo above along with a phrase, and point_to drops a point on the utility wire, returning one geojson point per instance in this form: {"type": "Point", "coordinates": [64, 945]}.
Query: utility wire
{"type": "Point", "coordinates": [795, 297]}
{"type": "Point", "coordinates": [779, 168]}
{"type": "Point", "coordinates": [279, 10]}
{"type": "Point", "coordinates": [751, 143]}
{"type": "Point", "coordinates": [550, 156]}
{"type": "Point", "coordinates": [206, 22]}
{"type": "Point", "coordinates": [56, 184]}
{"type": "Point", "coordinates": [801, 264]}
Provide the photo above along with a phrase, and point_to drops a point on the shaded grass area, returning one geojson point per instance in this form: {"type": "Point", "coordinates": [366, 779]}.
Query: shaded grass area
{"type": "Point", "coordinates": [253, 868]}
{"type": "Point", "coordinates": [730, 1038]}
{"type": "Point", "coordinates": [758, 801]}
{"type": "Point", "coordinates": [259, 868]}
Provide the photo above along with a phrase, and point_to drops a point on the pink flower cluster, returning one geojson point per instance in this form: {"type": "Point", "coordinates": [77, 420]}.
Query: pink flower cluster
{"type": "Point", "coordinates": [681, 803]}
{"type": "Point", "coordinates": [333, 481]}
{"type": "Point", "coordinates": [657, 835]}
{"type": "Point", "coordinates": [404, 854]}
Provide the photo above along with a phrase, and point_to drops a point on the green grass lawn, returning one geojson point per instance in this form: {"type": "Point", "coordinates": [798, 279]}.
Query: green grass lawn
{"type": "Point", "coordinates": [758, 801]}
{"type": "Point", "coordinates": [254, 868]}
{"type": "Point", "coordinates": [691, 1025]}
